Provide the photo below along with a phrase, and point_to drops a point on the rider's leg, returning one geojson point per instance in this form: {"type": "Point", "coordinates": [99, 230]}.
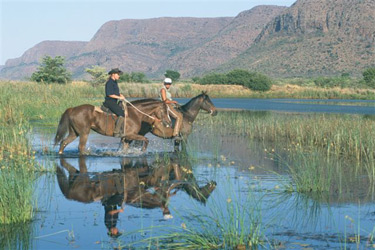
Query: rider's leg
{"type": "Point", "coordinates": [117, 110]}
{"type": "Point", "coordinates": [178, 116]}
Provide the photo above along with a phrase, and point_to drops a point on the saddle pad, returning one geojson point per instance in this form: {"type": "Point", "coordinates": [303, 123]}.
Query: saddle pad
{"type": "Point", "coordinates": [98, 109]}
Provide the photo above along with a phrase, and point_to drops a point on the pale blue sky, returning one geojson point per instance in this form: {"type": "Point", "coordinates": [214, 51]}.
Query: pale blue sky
{"type": "Point", "coordinates": [25, 23]}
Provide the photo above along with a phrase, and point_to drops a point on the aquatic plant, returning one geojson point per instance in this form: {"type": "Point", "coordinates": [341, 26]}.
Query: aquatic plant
{"type": "Point", "coordinates": [17, 236]}
{"type": "Point", "coordinates": [231, 222]}
{"type": "Point", "coordinates": [346, 136]}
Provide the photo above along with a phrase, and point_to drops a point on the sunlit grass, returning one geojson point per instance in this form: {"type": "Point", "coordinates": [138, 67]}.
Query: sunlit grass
{"type": "Point", "coordinates": [348, 136]}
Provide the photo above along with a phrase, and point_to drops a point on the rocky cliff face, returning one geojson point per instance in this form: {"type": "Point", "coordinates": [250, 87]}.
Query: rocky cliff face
{"type": "Point", "coordinates": [310, 38]}
{"type": "Point", "coordinates": [228, 43]}
{"type": "Point", "coordinates": [315, 37]}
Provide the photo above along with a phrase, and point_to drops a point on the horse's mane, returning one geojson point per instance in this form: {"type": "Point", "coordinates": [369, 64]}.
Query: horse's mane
{"type": "Point", "coordinates": [145, 102]}
{"type": "Point", "coordinates": [186, 106]}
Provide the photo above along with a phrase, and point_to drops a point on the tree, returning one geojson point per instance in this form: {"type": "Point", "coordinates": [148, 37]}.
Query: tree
{"type": "Point", "coordinates": [369, 77]}
{"type": "Point", "coordinates": [259, 82]}
{"type": "Point", "coordinates": [52, 70]}
{"type": "Point", "coordinates": [214, 78]}
{"type": "Point", "coordinates": [98, 74]}
{"type": "Point", "coordinates": [174, 75]}
{"type": "Point", "coordinates": [138, 77]}
{"type": "Point", "coordinates": [252, 80]}
{"type": "Point", "coordinates": [239, 76]}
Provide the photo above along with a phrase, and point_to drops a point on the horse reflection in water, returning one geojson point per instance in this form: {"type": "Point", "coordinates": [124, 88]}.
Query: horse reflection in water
{"type": "Point", "coordinates": [137, 183]}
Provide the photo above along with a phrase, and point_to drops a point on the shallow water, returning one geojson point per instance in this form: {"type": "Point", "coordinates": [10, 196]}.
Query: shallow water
{"type": "Point", "coordinates": [72, 201]}
{"type": "Point", "coordinates": [297, 105]}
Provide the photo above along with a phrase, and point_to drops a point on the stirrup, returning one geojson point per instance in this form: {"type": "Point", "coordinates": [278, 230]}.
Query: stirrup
{"type": "Point", "coordinates": [177, 137]}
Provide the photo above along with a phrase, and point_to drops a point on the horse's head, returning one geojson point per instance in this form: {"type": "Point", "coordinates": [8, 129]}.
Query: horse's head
{"type": "Point", "coordinates": [207, 104]}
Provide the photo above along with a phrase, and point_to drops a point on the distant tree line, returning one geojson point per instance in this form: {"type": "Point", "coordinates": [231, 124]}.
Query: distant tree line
{"type": "Point", "coordinates": [52, 70]}
{"type": "Point", "coordinates": [252, 80]}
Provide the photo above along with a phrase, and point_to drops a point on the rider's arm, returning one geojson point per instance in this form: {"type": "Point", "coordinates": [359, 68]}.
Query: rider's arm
{"type": "Point", "coordinates": [164, 97]}
{"type": "Point", "coordinates": [119, 97]}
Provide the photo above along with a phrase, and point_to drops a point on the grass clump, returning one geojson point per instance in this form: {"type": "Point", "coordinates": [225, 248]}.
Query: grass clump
{"type": "Point", "coordinates": [231, 222]}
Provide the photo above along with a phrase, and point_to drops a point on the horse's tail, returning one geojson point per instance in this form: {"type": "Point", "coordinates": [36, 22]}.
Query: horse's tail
{"type": "Point", "coordinates": [62, 129]}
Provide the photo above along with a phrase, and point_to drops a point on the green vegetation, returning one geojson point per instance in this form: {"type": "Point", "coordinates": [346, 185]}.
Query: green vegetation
{"type": "Point", "coordinates": [324, 153]}
{"type": "Point", "coordinates": [138, 77]}
{"type": "Point", "coordinates": [98, 75]}
{"type": "Point", "coordinates": [17, 236]}
{"type": "Point", "coordinates": [369, 77]}
{"type": "Point", "coordinates": [252, 80]}
{"type": "Point", "coordinates": [17, 164]}
{"type": "Point", "coordinates": [174, 75]}
{"type": "Point", "coordinates": [233, 222]}
{"type": "Point", "coordinates": [52, 70]}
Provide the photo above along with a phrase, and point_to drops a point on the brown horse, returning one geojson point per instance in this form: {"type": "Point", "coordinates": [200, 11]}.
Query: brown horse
{"type": "Point", "coordinates": [189, 111]}
{"type": "Point", "coordinates": [78, 121]}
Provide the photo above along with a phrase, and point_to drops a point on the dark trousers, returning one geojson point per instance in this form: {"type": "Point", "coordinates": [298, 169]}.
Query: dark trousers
{"type": "Point", "coordinates": [114, 107]}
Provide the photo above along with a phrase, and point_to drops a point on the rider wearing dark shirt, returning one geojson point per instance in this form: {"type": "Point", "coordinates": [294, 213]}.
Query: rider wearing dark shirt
{"type": "Point", "coordinates": [112, 96]}
{"type": "Point", "coordinates": [112, 93]}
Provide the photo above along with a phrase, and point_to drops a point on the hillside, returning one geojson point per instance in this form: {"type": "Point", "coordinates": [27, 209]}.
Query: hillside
{"type": "Point", "coordinates": [25, 65]}
{"type": "Point", "coordinates": [310, 38]}
{"type": "Point", "coordinates": [227, 43]}
{"type": "Point", "coordinates": [314, 37]}
{"type": "Point", "coordinates": [189, 45]}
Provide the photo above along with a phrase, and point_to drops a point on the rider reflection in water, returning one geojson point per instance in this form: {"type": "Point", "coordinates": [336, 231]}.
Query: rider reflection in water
{"type": "Point", "coordinates": [138, 184]}
{"type": "Point", "coordinates": [112, 208]}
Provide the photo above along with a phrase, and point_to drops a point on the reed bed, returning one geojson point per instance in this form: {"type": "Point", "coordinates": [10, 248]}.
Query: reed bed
{"type": "Point", "coordinates": [347, 136]}
{"type": "Point", "coordinates": [321, 152]}
{"type": "Point", "coordinates": [17, 162]}
{"type": "Point", "coordinates": [17, 174]}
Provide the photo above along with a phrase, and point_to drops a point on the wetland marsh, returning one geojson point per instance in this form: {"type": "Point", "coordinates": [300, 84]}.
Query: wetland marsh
{"type": "Point", "coordinates": [249, 179]}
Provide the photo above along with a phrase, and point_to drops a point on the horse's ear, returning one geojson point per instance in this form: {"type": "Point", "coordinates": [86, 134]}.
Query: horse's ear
{"type": "Point", "coordinates": [204, 92]}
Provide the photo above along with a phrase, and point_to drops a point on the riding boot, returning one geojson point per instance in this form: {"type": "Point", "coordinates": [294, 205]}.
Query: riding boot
{"type": "Point", "coordinates": [119, 123]}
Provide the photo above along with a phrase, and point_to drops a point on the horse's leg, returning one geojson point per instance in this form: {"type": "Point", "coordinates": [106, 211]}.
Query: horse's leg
{"type": "Point", "coordinates": [124, 144]}
{"type": "Point", "coordinates": [71, 137]}
{"type": "Point", "coordinates": [177, 145]}
{"type": "Point", "coordinates": [82, 142]}
{"type": "Point", "coordinates": [137, 137]}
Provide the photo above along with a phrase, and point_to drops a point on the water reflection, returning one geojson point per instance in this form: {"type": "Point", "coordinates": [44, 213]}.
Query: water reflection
{"type": "Point", "coordinates": [137, 183]}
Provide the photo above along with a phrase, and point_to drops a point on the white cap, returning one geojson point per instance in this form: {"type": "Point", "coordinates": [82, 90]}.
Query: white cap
{"type": "Point", "coordinates": [167, 81]}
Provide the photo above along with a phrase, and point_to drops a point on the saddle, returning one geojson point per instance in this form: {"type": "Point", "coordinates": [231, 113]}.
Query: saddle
{"type": "Point", "coordinates": [103, 109]}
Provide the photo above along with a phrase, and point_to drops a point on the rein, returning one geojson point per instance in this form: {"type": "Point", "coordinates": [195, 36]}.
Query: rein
{"type": "Point", "coordinates": [139, 110]}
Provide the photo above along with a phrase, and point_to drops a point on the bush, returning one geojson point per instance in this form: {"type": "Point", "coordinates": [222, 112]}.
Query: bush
{"type": "Point", "coordinates": [133, 77]}
{"type": "Point", "coordinates": [98, 74]}
{"type": "Point", "coordinates": [52, 70]}
{"type": "Point", "coordinates": [252, 80]}
{"type": "Point", "coordinates": [331, 82]}
{"type": "Point", "coordinates": [259, 82]}
{"type": "Point", "coordinates": [239, 77]}
{"type": "Point", "coordinates": [214, 78]}
{"type": "Point", "coordinates": [174, 75]}
{"type": "Point", "coordinates": [369, 77]}
{"type": "Point", "coordinates": [138, 77]}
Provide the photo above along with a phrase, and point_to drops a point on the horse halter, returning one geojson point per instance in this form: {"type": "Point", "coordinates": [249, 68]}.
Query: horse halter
{"type": "Point", "coordinates": [207, 102]}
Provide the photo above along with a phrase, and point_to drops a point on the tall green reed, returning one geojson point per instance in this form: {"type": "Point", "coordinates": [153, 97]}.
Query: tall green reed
{"type": "Point", "coordinates": [232, 221]}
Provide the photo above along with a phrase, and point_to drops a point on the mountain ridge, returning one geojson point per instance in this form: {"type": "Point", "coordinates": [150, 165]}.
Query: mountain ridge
{"type": "Point", "coordinates": [309, 38]}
